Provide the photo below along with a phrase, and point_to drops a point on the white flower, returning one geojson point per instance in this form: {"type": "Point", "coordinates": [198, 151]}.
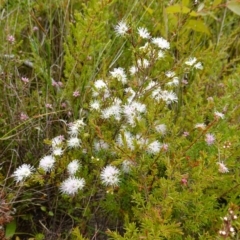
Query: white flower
{"type": "Point", "coordinates": [161, 128]}
{"type": "Point", "coordinates": [72, 185]}
{"type": "Point", "coordinates": [143, 63]}
{"type": "Point", "coordinates": [200, 125]}
{"type": "Point", "coordinates": [198, 66]}
{"type": "Point", "coordinates": [126, 166]}
{"type": "Point", "coordinates": [80, 123]}
{"type": "Point", "coordinates": [161, 43]}
{"type": "Point", "coordinates": [174, 82]}
{"type": "Point", "coordinates": [95, 105]}
{"type": "Point", "coordinates": [57, 151]}
{"type": "Point", "coordinates": [57, 141]}
{"type": "Point", "coordinates": [219, 115]}
{"type": "Point", "coordinates": [99, 84]}
{"type": "Point", "coordinates": [119, 74]}
{"type": "Point", "coordinates": [160, 54]}
{"type": "Point", "coordinates": [74, 142]}
{"type": "Point", "coordinates": [191, 61]}
{"type": "Point", "coordinates": [169, 97]}
{"type": "Point", "coordinates": [132, 110]}
{"type": "Point", "coordinates": [154, 147]}
{"type": "Point", "coordinates": [110, 176]}
{"type": "Point", "coordinates": [170, 74]}
{"type": "Point", "coordinates": [126, 138]}
{"type": "Point", "coordinates": [143, 33]}
{"type": "Point", "coordinates": [130, 92]}
{"type": "Point", "coordinates": [47, 163]}
{"type": "Point", "coordinates": [73, 166]}
{"type": "Point", "coordinates": [133, 70]}
{"type": "Point", "coordinates": [222, 167]}
{"type": "Point", "coordinates": [121, 28]}
{"type": "Point", "coordinates": [113, 111]}
{"type": "Point", "coordinates": [75, 127]}
{"type": "Point", "coordinates": [150, 85]}
{"type": "Point", "coordinates": [107, 94]}
{"type": "Point", "coordinates": [22, 172]}
{"type": "Point", "coordinates": [99, 145]}
{"type": "Point", "coordinates": [156, 93]}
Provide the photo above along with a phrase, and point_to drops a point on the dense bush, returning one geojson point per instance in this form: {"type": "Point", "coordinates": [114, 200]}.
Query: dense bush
{"type": "Point", "coordinates": [120, 120]}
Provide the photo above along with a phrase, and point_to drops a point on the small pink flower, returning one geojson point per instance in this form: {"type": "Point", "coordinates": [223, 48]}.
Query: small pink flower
{"type": "Point", "coordinates": [76, 94]}
{"type": "Point", "coordinates": [165, 147]}
{"type": "Point", "coordinates": [184, 82]}
{"type": "Point", "coordinates": [23, 117]}
{"type": "Point", "coordinates": [11, 38]}
{"type": "Point", "coordinates": [35, 28]}
{"type": "Point", "coordinates": [54, 83]}
{"type": "Point", "coordinates": [209, 139]}
{"type": "Point", "coordinates": [25, 80]}
{"type": "Point", "coordinates": [185, 134]}
{"type": "Point", "coordinates": [63, 105]}
{"type": "Point", "coordinates": [184, 181]}
{"type": "Point", "coordinates": [60, 84]}
{"type": "Point", "coordinates": [48, 105]}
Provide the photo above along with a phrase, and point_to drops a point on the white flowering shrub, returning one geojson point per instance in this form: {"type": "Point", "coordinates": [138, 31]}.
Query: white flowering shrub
{"type": "Point", "coordinates": [148, 144]}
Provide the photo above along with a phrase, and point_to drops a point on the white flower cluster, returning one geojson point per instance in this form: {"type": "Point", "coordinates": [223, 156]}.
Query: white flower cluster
{"type": "Point", "coordinates": [57, 144]}
{"type": "Point", "coordinates": [48, 163]}
{"type": "Point", "coordinates": [72, 184]}
{"type": "Point", "coordinates": [74, 130]}
{"type": "Point", "coordinates": [126, 105]}
{"type": "Point", "coordinates": [128, 140]}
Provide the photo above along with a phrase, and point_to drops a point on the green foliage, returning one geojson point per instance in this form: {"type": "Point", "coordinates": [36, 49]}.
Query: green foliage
{"type": "Point", "coordinates": [87, 41]}
{"type": "Point", "coordinates": [234, 6]}
{"type": "Point", "coordinates": [10, 229]}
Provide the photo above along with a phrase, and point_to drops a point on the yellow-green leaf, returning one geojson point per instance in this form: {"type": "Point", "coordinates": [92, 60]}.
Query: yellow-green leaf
{"type": "Point", "coordinates": [10, 229]}
{"type": "Point", "coordinates": [149, 10]}
{"type": "Point", "coordinates": [216, 2]}
{"type": "Point", "coordinates": [50, 213]}
{"type": "Point", "coordinates": [185, 2]}
{"type": "Point", "coordinates": [234, 6]}
{"type": "Point", "coordinates": [198, 26]}
{"type": "Point", "coordinates": [180, 9]}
